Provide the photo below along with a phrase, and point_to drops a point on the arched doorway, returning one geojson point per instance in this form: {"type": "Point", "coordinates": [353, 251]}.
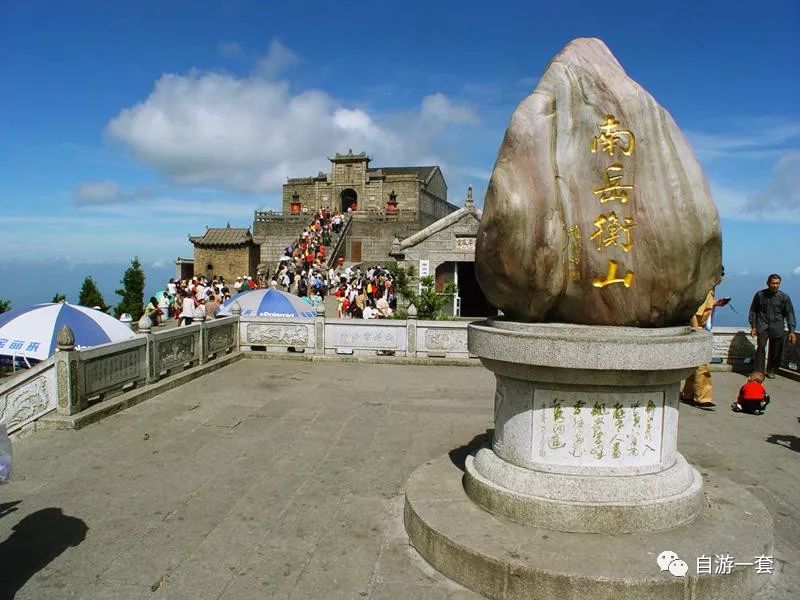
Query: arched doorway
{"type": "Point", "coordinates": [349, 199]}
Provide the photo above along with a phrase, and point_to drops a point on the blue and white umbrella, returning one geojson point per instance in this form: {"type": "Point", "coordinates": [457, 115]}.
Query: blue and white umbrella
{"type": "Point", "coordinates": [30, 333]}
{"type": "Point", "coordinates": [269, 303]}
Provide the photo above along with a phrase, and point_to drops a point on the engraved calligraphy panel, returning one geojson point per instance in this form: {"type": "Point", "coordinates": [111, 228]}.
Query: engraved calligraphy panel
{"type": "Point", "coordinates": [103, 373]}
{"type": "Point", "coordinates": [370, 336]}
{"type": "Point", "coordinates": [586, 428]}
{"type": "Point", "coordinates": [465, 243]}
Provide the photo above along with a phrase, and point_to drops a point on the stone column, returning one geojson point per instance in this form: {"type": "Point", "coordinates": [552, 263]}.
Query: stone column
{"type": "Point", "coordinates": [411, 331]}
{"type": "Point", "coordinates": [236, 311]}
{"type": "Point", "coordinates": [319, 330]}
{"type": "Point", "coordinates": [67, 373]}
{"type": "Point", "coordinates": [202, 337]}
{"type": "Point", "coordinates": [145, 327]}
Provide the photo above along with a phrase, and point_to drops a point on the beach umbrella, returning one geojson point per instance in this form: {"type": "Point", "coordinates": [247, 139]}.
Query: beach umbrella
{"type": "Point", "coordinates": [29, 334]}
{"type": "Point", "coordinates": [268, 303]}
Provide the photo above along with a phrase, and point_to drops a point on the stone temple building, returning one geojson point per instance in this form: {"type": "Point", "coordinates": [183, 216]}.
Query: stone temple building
{"type": "Point", "coordinates": [396, 214]}
{"type": "Point", "coordinates": [224, 251]}
{"type": "Point", "coordinates": [384, 202]}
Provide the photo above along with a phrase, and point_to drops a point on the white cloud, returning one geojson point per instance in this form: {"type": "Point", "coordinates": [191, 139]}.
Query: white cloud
{"type": "Point", "coordinates": [796, 270]}
{"type": "Point", "coordinates": [737, 204]}
{"type": "Point", "coordinates": [278, 59]}
{"type": "Point", "coordinates": [783, 192]}
{"type": "Point", "coordinates": [252, 133]}
{"type": "Point", "coordinates": [94, 193]}
{"type": "Point", "coordinates": [439, 109]}
{"type": "Point", "coordinates": [763, 137]}
{"type": "Point", "coordinates": [97, 192]}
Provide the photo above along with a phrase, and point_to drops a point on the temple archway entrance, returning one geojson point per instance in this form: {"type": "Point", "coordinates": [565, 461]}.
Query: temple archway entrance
{"type": "Point", "coordinates": [469, 300]}
{"type": "Point", "coordinates": [349, 200]}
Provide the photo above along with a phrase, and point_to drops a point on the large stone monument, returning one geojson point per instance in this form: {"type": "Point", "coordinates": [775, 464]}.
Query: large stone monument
{"type": "Point", "coordinates": [598, 241]}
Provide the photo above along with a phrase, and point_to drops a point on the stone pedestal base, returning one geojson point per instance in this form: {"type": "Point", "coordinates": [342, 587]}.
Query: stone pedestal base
{"type": "Point", "coordinates": [583, 486]}
{"type": "Point", "coordinates": [586, 423]}
{"type": "Point", "coordinates": [588, 503]}
{"type": "Point", "coordinates": [501, 559]}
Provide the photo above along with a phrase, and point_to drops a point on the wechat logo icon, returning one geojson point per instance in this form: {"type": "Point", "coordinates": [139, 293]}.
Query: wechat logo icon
{"type": "Point", "coordinates": [669, 561]}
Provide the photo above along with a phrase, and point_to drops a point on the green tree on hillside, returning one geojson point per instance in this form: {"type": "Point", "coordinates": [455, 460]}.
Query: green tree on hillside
{"type": "Point", "coordinates": [90, 296]}
{"type": "Point", "coordinates": [58, 298]}
{"type": "Point", "coordinates": [132, 291]}
{"type": "Point", "coordinates": [5, 305]}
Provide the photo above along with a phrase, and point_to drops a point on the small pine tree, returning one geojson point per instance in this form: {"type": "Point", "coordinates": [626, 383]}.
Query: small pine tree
{"type": "Point", "coordinates": [132, 291]}
{"type": "Point", "coordinates": [58, 298]}
{"type": "Point", "coordinates": [90, 296]}
{"type": "Point", "coordinates": [5, 305]}
{"type": "Point", "coordinates": [428, 301]}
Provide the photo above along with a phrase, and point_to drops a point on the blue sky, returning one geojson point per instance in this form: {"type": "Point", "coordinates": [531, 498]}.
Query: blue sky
{"type": "Point", "coordinates": [124, 127]}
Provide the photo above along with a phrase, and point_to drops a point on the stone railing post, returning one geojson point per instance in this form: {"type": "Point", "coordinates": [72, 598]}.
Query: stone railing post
{"type": "Point", "coordinates": [319, 330]}
{"type": "Point", "coordinates": [236, 311]}
{"type": "Point", "coordinates": [66, 360]}
{"type": "Point", "coordinates": [201, 318]}
{"type": "Point", "coordinates": [411, 331]}
{"type": "Point", "coordinates": [145, 326]}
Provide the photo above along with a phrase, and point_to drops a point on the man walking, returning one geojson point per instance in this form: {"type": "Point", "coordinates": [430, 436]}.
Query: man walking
{"type": "Point", "coordinates": [768, 311]}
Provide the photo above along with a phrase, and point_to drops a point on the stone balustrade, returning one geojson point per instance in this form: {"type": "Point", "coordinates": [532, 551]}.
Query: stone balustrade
{"type": "Point", "coordinates": [73, 379]}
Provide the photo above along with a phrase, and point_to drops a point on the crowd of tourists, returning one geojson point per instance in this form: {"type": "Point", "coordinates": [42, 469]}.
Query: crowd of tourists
{"type": "Point", "coordinates": [188, 300]}
{"type": "Point", "coordinates": [301, 270]}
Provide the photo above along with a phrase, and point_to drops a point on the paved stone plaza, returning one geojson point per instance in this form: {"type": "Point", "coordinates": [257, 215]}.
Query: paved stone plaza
{"type": "Point", "coordinates": [284, 479]}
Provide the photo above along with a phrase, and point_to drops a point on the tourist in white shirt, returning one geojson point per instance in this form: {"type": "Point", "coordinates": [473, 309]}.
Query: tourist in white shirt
{"type": "Point", "coordinates": [187, 310]}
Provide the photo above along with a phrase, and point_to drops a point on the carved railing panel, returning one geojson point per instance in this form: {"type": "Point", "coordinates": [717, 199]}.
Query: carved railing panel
{"type": "Point", "coordinates": [446, 337]}
{"type": "Point", "coordinates": [112, 366]}
{"type": "Point", "coordinates": [176, 348]}
{"type": "Point", "coordinates": [221, 335]}
{"type": "Point", "coordinates": [365, 335]}
{"type": "Point", "coordinates": [287, 333]}
{"type": "Point", "coordinates": [28, 395]}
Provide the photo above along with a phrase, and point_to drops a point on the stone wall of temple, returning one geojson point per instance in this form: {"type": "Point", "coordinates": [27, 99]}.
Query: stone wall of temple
{"type": "Point", "coordinates": [229, 262]}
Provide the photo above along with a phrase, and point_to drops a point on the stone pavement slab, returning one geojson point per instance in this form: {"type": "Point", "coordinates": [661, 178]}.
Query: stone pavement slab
{"type": "Point", "coordinates": [284, 479]}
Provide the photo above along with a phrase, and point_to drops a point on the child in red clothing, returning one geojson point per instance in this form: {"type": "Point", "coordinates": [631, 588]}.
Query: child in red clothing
{"type": "Point", "coordinates": [753, 397]}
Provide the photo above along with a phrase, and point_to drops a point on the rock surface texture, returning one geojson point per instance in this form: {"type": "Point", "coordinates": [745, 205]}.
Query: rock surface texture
{"type": "Point", "coordinates": [597, 211]}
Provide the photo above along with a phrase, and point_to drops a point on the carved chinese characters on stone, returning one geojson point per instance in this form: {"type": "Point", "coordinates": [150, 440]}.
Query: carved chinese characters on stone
{"type": "Point", "coordinates": [578, 428]}
{"type": "Point", "coordinates": [610, 230]}
{"type": "Point", "coordinates": [106, 372]}
{"type": "Point", "coordinates": [365, 337]}
{"type": "Point", "coordinates": [465, 243]}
